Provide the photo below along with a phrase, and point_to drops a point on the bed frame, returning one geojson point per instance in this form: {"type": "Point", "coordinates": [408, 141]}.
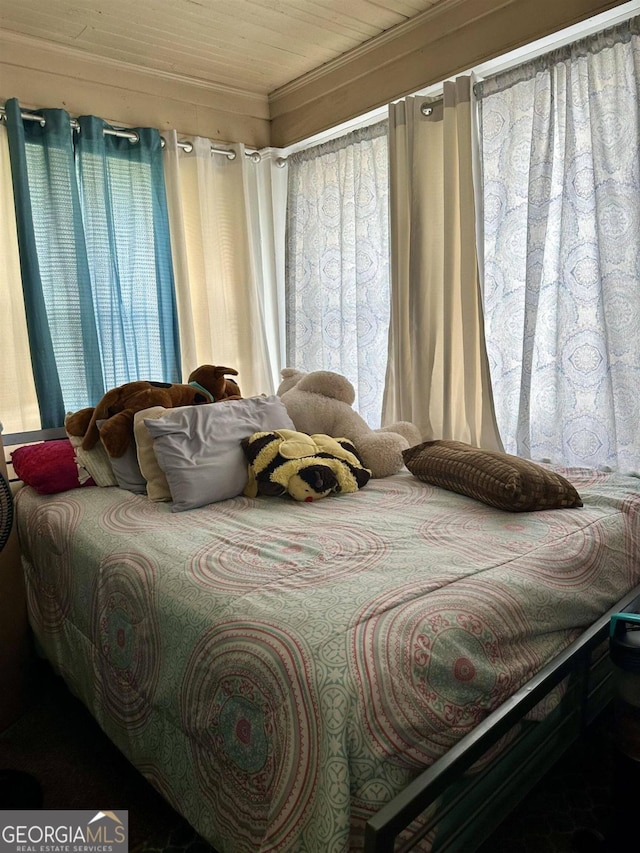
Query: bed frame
{"type": "Point", "coordinates": [12, 439]}
{"type": "Point", "coordinates": [473, 806]}
{"type": "Point", "coordinates": [470, 806]}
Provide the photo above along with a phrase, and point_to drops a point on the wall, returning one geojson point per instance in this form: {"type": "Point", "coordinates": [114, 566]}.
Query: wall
{"type": "Point", "coordinates": [13, 627]}
{"type": "Point", "coordinates": [436, 45]}
{"type": "Point", "coordinates": [45, 75]}
{"type": "Point", "coordinates": [446, 40]}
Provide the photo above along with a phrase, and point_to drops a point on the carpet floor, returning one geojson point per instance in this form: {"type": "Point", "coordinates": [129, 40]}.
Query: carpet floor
{"type": "Point", "coordinates": [58, 742]}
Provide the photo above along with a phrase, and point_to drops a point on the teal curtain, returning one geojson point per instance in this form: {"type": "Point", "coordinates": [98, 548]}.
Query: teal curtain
{"type": "Point", "coordinates": [95, 257]}
{"type": "Point", "coordinates": [124, 207]}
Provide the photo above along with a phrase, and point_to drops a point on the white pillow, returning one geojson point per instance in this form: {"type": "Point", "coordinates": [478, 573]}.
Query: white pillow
{"type": "Point", "coordinates": [94, 463]}
{"type": "Point", "coordinates": [199, 450]}
{"type": "Point", "coordinates": [126, 469]}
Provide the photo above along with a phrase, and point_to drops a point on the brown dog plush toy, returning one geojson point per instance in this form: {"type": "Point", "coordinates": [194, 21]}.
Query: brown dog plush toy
{"type": "Point", "coordinates": [207, 384]}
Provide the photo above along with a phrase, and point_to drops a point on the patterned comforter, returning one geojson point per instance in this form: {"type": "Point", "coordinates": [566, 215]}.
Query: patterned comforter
{"type": "Point", "coordinates": [279, 670]}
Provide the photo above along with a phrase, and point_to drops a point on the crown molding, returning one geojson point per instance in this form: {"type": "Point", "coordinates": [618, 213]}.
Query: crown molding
{"type": "Point", "coordinates": [32, 43]}
{"type": "Point", "coordinates": [44, 74]}
{"type": "Point", "coordinates": [448, 39]}
{"type": "Point", "coordinates": [400, 34]}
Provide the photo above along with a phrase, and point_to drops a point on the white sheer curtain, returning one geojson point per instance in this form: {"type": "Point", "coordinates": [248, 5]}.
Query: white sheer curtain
{"type": "Point", "coordinates": [561, 177]}
{"type": "Point", "coordinates": [338, 262]}
{"type": "Point", "coordinates": [18, 402]}
{"type": "Point", "coordinates": [267, 203]}
{"type": "Point", "coordinates": [225, 261]}
{"type": "Point", "coordinates": [437, 372]}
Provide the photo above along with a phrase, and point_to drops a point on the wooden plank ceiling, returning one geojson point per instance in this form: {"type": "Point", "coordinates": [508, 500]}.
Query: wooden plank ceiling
{"type": "Point", "coordinates": [256, 46]}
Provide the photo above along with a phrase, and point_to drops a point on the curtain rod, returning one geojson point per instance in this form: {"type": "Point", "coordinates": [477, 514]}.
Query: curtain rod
{"type": "Point", "coordinates": [133, 137]}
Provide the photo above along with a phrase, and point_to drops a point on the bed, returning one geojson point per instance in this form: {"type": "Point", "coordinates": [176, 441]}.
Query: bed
{"type": "Point", "coordinates": [341, 675]}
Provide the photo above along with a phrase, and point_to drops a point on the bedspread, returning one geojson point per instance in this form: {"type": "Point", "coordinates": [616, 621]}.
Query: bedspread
{"type": "Point", "coordinates": [279, 670]}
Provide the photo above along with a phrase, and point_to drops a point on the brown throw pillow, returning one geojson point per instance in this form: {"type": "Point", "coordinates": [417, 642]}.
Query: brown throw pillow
{"type": "Point", "coordinates": [498, 479]}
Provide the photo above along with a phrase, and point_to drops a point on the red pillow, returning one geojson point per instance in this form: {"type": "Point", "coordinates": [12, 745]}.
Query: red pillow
{"type": "Point", "coordinates": [49, 466]}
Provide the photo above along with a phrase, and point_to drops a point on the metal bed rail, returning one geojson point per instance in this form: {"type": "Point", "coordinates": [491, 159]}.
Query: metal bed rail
{"type": "Point", "coordinates": [383, 828]}
{"type": "Point", "coordinates": [10, 439]}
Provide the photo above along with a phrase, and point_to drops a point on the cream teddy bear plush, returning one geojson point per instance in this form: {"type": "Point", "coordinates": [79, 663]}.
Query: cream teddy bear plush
{"type": "Point", "coordinates": [321, 402]}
